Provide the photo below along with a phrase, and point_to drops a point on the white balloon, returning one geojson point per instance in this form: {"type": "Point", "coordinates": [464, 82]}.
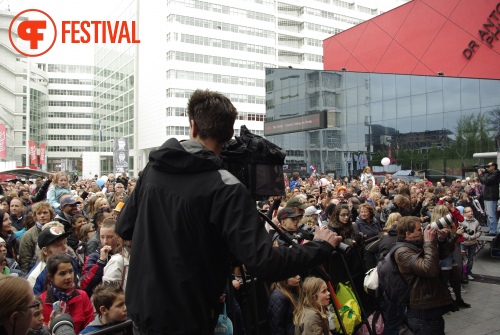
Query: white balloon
{"type": "Point", "coordinates": [324, 182]}
{"type": "Point", "coordinates": [385, 161]}
{"type": "Point", "coordinates": [104, 178]}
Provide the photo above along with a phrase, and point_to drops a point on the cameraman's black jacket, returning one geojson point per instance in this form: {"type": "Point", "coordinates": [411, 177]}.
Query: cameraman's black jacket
{"type": "Point", "coordinates": [185, 216]}
{"type": "Point", "coordinates": [490, 182]}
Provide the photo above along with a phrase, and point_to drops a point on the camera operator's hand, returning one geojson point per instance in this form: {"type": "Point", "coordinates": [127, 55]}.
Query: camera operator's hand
{"type": "Point", "coordinates": [479, 171]}
{"type": "Point", "coordinates": [328, 236]}
{"type": "Point", "coordinates": [443, 233]}
{"type": "Point", "coordinates": [460, 230]}
{"type": "Point", "coordinates": [429, 234]}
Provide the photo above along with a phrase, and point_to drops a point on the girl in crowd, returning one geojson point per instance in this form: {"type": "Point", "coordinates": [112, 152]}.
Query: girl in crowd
{"type": "Point", "coordinates": [367, 175]}
{"type": "Point", "coordinates": [282, 302]}
{"type": "Point", "coordinates": [116, 270]}
{"type": "Point", "coordinates": [37, 326]}
{"type": "Point", "coordinates": [61, 287]}
{"type": "Point", "coordinates": [310, 316]}
{"type": "Point", "coordinates": [450, 255]}
{"type": "Point", "coordinates": [6, 232]}
{"type": "Point", "coordinates": [16, 305]}
{"type": "Point", "coordinates": [341, 224]}
{"type": "Point", "coordinates": [59, 187]}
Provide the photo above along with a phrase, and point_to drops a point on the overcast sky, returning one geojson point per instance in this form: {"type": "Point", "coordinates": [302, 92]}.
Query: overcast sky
{"type": "Point", "coordinates": [67, 10]}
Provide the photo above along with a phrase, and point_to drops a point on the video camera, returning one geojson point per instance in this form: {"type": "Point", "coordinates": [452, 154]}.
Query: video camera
{"type": "Point", "coordinates": [482, 167]}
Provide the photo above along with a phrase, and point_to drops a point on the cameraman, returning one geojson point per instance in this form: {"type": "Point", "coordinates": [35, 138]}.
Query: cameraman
{"type": "Point", "coordinates": [186, 217]}
{"type": "Point", "coordinates": [490, 178]}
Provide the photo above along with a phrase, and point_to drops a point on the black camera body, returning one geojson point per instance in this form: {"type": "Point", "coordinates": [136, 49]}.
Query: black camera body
{"type": "Point", "coordinates": [482, 167]}
{"type": "Point", "coordinates": [304, 232]}
{"type": "Point", "coordinates": [467, 230]}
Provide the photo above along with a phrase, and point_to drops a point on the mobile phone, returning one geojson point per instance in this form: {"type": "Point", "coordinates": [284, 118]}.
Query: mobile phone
{"type": "Point", "coordinates": [56, 306]}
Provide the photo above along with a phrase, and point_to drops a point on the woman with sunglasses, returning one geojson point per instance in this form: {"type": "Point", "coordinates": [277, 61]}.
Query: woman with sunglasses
{"type": "Point", "coordinates": [16, 305]}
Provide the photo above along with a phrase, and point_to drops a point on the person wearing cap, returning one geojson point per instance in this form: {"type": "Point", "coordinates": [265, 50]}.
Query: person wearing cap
{"type": "Point", "coordinates": [43, 213]}
{"type": "Point", "coordinates": [51, 241]}
{"type": "Point", "coordinates": [297, 205]}
{"type": "Point", "coordinates": [311, 214]}
{"type": "Point", "coordinates": [68, 209]}
{"type": "Point", "coordinates": [288, 222]}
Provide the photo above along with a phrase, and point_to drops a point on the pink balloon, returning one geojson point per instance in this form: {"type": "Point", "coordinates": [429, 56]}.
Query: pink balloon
{"type": "Point", "coordinates": [385, 161]}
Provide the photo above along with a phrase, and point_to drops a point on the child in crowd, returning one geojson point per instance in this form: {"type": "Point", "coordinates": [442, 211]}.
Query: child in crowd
{"type": "Point", "coordinates": [59, 187]}
{"type": "Point", "coordinates": [37, 326]}
{"type": "Point", "coordinates": [282, 302]}
{"type": "Point", "coordinates": [109, 303]}
{"type": "Point", "coordinates": [471, 234]}
{"type": "Point", "coordinates": [310, 316]}
{"type": "Point", "coordinates": [61, 287]}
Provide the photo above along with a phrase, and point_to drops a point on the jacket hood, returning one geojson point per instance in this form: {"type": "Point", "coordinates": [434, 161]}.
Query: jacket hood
{"type": "Point", "coordinates": [96, 322]}
{"type": "Point", "coordinates": [184, 157]}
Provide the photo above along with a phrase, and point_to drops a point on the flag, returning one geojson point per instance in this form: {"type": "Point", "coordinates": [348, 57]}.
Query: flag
{"type": "Point", "coordinates": [42, 153]}
{"type": "Point", "coordinates": [33, 155]}
{"type": "Point", "coordinates": [3, 142]}
{"type": "Point", "coordinates": [100, 130]}
{"type": "Point", "coordinates": [313, 169]}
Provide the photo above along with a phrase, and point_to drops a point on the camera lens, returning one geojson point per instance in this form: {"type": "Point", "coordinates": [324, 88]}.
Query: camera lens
{"type": "Point", "coordinates": [343, 248]}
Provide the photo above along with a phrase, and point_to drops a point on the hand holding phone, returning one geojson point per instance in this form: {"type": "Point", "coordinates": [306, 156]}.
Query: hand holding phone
{"type": "Point", "coordinates": [56, 306]}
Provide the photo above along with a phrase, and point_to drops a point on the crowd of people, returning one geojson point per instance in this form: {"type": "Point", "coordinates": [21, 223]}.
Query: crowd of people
{"type": "Point", "coordinates": [190, 222]}
{"type": "Point", "coordinates": [58, 238]}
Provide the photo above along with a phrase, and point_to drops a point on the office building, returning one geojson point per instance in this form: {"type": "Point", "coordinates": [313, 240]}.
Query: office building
{"type": "Point", "coordinates": [424, 95]}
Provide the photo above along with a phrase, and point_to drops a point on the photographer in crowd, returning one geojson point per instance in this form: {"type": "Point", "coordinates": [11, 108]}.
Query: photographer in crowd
{"type": "Point", "coordinates": [490, 179]}
{"type": "Point", "coordinates": [185, 217]}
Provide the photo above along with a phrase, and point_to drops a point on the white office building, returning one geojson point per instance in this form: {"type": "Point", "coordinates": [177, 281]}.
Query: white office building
{"type": "Point", "coordinates": [140, 91]}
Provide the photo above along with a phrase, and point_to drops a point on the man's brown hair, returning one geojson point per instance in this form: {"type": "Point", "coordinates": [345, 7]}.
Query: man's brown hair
{"type": "Point", "coordinates": [213, 113]}
{"type": "Point", "coordinates": [406, 224]}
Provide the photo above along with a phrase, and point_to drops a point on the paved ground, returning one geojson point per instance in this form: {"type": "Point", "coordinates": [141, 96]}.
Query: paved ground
{"type": "Point", "coordinates": [483, 294]}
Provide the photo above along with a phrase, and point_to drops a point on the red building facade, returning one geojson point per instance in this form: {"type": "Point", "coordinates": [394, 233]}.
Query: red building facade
{"type": "Point", "coordinates": [456, 38]}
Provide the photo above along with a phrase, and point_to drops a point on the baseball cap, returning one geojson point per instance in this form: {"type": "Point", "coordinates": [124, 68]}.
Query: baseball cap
{"type": "Point", "coordinates": [295, 202]}
{"type": "Point", "coordinates": [69, 201]}
{"type": "Point", "coordinates": [286, 213]}
{"type": "Point", "coordinates": [119, 206]}
{"type": "Point", "coordinates": [49, 235]}
{"type": "Point", "coordinates": [311, 210]}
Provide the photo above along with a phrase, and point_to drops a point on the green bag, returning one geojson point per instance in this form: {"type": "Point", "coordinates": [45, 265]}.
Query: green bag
{"type": "Point", "coordinates": [345, 293]}
{"type": "Point", "coordinates": [351, 316]}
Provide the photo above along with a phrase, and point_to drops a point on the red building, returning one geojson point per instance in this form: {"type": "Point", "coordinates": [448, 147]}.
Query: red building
{"type": "Point", "coordinates": [456, 38]}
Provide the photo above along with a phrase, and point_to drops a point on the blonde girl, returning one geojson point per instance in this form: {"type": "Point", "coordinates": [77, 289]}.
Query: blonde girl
{"type": "Point", "coordinates": [59, 186]}
{"type": "Point", "coordinates": [310, 316]}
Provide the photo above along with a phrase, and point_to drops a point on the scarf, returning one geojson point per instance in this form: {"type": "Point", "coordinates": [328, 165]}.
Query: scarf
{"type": "Point", "coordinates": [63, 296]}
{"type": "Point", "coordinates": [38, 225]}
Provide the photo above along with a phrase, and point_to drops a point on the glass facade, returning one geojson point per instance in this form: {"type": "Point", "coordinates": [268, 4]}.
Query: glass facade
{"type": "Point", "coordinates": [421, 122]}
{"type": "Point", "coordinates": [113, 114]}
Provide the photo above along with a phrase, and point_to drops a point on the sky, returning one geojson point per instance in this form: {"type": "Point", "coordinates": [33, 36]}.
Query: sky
{"type": "Point", "coordinates": [68, 10]}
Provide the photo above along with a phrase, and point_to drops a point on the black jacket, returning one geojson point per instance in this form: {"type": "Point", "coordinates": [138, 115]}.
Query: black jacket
{"type": "Point", "coordinates": [280, 313]}
{"type": "Point", "coordinates": [490, 182]}
{"type": "Point", "coordinates": [185, 216]}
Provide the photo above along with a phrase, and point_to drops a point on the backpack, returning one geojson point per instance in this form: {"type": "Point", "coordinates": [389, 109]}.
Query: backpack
{"type": "Point", "coordinates": [392, 284]}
